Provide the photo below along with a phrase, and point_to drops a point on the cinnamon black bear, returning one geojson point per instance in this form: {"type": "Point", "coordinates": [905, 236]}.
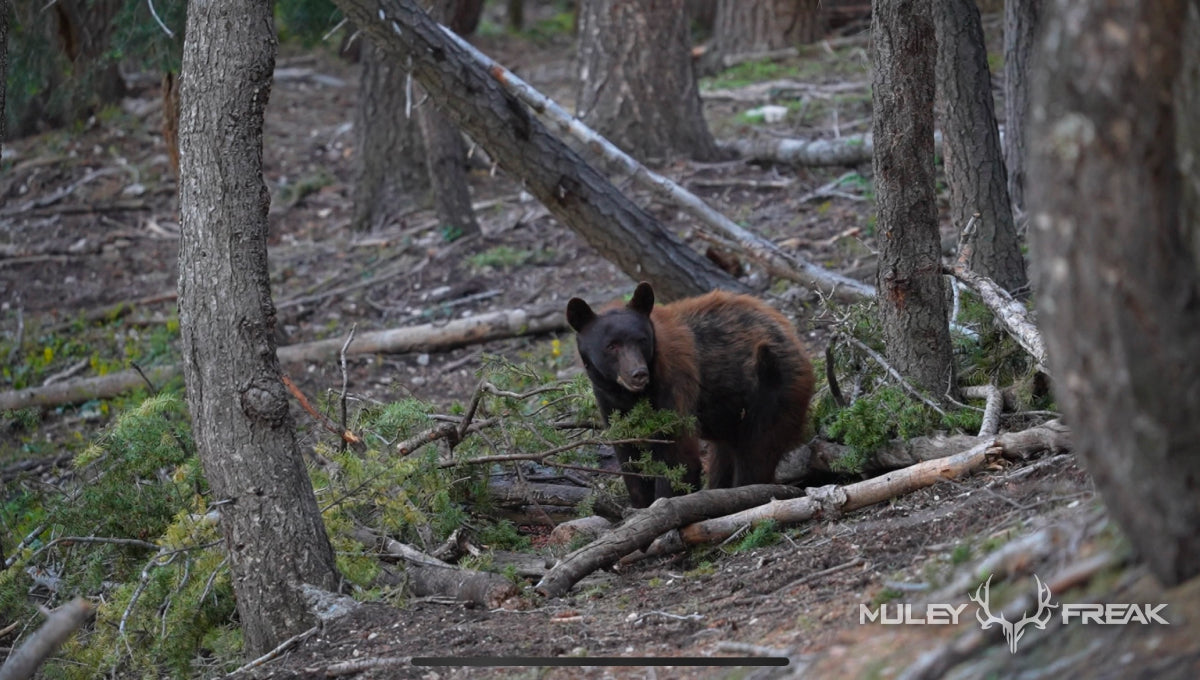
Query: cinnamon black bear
{"type": "Point", "coordinates": [729, 360]}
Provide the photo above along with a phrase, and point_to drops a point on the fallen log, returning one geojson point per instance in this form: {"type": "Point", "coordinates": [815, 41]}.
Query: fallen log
{"type": "Point", "coordinates": [431, 337]}
{"type": "Point", "coordinates": [849, 150]}
{"type": "Point", "coordinates": [430, 576]}
{"type": "Point", "coordinates": [509, 494]}
{"type": "Point", "coordinates": [1051, 437]}
{"type": "Point", "coordinates": [824, 456]}
{"type": "Point", "coordinates": [641, 529]}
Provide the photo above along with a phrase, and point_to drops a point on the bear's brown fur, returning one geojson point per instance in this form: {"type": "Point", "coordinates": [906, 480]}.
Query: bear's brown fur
{"type": "Point", "coordinates": [731, 361]}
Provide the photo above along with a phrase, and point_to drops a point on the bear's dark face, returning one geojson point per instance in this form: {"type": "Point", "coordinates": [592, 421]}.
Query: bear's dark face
{"type": "Point", "coordinates": [617, 346]}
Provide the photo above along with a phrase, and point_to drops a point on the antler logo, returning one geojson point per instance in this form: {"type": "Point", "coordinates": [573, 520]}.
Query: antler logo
{"type": "Point", "coordinates": [1013, 631]}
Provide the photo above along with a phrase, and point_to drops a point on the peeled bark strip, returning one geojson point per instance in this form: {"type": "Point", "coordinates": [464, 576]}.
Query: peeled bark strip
{"type": "Point", "coordinates": [641, 529]}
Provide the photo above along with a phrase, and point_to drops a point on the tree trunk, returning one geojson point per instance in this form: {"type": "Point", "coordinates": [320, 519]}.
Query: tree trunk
{"type": "Point", "coordinates": [390, 171]}
{"type": "Point", "coordinates": [912, 292]}
{"type": "Point", "coordinates": [445, 153]}
{"type": "Point", "coordinates": [637, 87]}
{"type": "Point", "coordinates": [77, 79]}
{"type": "Point", "coordinates": [574, 191]}
{"type": "Point", "coordinates": [1118, 270]}
{"type": "Point", "coordinates": [749, 26]}
{"type": "Point", "coordinates": [1021, 19]}
{"type": "Point", "coordinates": [4, 12]}
{"type": "Point", "coordinates": [974, 164]}
{"type": "Point", "coordinates": [243, 430]}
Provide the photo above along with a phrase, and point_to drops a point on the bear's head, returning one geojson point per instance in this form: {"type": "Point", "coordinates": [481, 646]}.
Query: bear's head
{"type": "Point", "coordinates": [616, 345]}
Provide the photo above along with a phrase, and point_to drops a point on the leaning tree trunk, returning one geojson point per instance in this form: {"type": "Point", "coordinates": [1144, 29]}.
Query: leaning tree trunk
{"type": "Point", "coordinates": [244, 435]}
{"type": "Point", "coordinates": [390, 171]}
{"type": "Point", "coordinates": [445, 153]}
{"type": "Point", "coordinates": [750, 26]}
{"type": "Point", "coordinates": [1118, 271]}
{"type": "Point", "coordinates": [1021, 19]}
{"type": "Point", "coordinates": [912, 291]}
{"type": "Point", "coordinates": [571, 189]}
{"type": "Point", "coordinates": [974, 164]}
{"type": "Point", "coordinates": [636, 84]}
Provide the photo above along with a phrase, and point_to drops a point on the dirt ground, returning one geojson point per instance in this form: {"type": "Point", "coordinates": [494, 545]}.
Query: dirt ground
{"type": "Point", "coordinates": [89, 219]}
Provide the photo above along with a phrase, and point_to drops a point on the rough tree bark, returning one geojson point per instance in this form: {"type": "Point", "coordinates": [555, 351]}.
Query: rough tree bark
{"type": "Point", "coordinates": [575, 192]}
{"type": "Point", "coordinates": [244, 434]}
{"type": "Point", "coordinates": [445, 153]}
{"type": "Point", "coordinates": [390, 166]}
{"type": "Point", "coordinates": [637, 87]}
{"type": "Point", "coordinates": [1021, 19]}
{"type": "Point", "coordinates": [749, 26]}
{"type": "Point", "coordinates": [1118, 269]}
{"type": "Point", "coordinates": [4, 12]}
{"type": "Point", "coordinates": [912, 291]}
{"type": "Point", "coordinates": [974, 165]}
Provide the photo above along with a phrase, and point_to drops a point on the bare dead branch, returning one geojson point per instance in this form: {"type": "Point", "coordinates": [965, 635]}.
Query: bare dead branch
{"type": "Point", "coordinates": [642, 528]}
{"type": "Point", "coordinates": [325, 421]}
{"type": "Point", "coordinates": [63, 621]}
{"type": "Point", "coordinates": [425, 337]}
{"type": "Point", "coordinates": [1011, 314]}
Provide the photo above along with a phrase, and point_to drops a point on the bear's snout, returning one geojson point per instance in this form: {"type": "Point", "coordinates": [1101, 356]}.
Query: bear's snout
{"type": "Point", "coordinates": [632, 373]}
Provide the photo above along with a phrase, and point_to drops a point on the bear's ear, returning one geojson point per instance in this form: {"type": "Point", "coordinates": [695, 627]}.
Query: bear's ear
{"type": "Point", "coordinates": [579, 314]}
{"type": "Point", "coordinates": [643, 299]}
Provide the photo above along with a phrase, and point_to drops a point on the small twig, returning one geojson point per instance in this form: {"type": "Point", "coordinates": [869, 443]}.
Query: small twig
{"type": "Point", "coordinates": [93, 539]}
{"type": "Point", "coordinates": [141, 587]}
{"type": "Point", "coordinates": [69, 372]}
{"type": "Point", "coordinates": [324, 420]}
{"type": "Point", "coordinates": [812, 576]}
{"type": "Point", "coordinates": [345, 379]}
{"type": "Point", "coordinates": [831, 377]}
{"type": "Point", "coordinates": [469, 416]}
{"type": "Point", "coordinates": [437, 432]}
{"type": "Point", "coordinates": [212, 578]}
{"type": "Point", "coordinates": [145, 378]}
{"type": "Point", "coordinates": [506, 458]}
{"type": "Point", "coordinates": [283, 647]}
{"type": "Point", "coordinates": [154, 13]}
{"type": "Point", "coordinates": [895, 374]}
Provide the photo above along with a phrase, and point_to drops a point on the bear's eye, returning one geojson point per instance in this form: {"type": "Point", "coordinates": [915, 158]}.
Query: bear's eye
{"type": "Point", "coordinates": [612, 347]}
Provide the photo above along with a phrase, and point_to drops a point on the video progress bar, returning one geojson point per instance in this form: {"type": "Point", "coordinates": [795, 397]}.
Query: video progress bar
{"type": "Point", "coordinates": [718, 661]}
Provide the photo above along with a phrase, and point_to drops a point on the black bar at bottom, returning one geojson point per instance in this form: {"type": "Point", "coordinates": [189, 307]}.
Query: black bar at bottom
{"type": "Point", "coordinates": [599, 661]}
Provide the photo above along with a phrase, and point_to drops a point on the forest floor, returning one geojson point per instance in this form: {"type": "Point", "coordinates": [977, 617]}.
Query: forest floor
{"type": "Point", "coordinates": [89, 220]}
